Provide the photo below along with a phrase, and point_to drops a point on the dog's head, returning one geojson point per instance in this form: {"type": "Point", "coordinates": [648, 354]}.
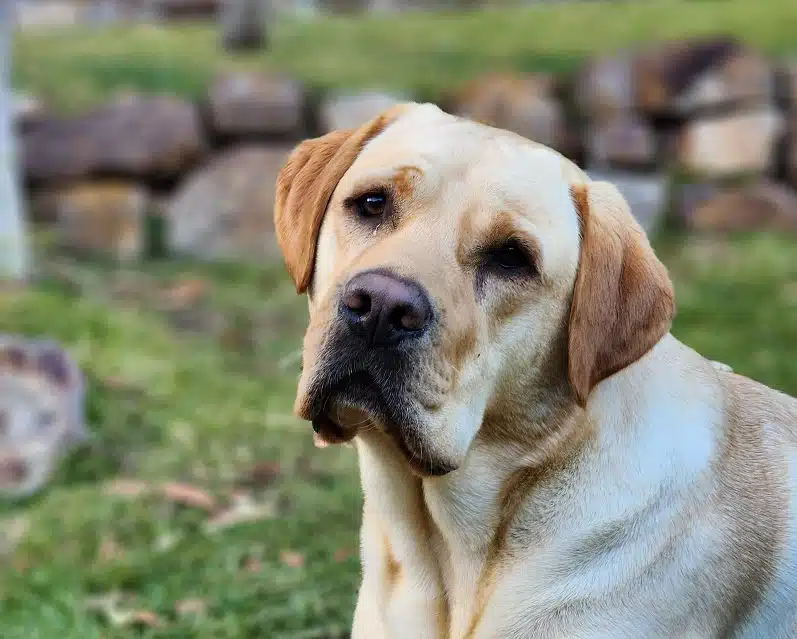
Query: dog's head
{"type": "Point", "coordinates": [456, 272]}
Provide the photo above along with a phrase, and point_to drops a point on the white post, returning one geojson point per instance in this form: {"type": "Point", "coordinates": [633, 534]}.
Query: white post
{"type": "Point", "coordinates": [13, 246]}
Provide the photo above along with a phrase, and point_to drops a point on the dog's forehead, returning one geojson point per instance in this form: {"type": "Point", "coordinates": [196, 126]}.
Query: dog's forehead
{"type": "Point", "coordinates": [476, 168]}
{"type": "Point", "coordinates": [438, 149]}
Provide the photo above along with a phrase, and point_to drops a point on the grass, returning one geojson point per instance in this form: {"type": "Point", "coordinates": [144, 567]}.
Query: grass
{"type": "Point", "coordinates": [202, 393]}
{"type": "Point", "coordinates": [420, 54]}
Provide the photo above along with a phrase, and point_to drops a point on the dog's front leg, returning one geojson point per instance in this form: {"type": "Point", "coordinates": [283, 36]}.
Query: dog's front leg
{"type": "Point", "coordinates": [401, 594]}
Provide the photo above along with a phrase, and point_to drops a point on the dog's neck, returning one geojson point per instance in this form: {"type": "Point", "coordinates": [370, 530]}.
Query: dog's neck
{"type": "Point", "coordinates": [445, 529]}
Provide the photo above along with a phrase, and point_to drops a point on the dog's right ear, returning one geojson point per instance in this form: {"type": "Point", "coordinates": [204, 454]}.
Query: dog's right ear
{"type": "Point", "coordinates": [305, 186]}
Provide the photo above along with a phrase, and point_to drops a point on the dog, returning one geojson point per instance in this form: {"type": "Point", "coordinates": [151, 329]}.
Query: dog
{"type": "Point", "coordinates": [539, 455]}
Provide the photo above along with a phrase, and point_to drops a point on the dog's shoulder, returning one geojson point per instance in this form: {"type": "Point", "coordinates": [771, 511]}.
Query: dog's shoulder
{"type": "Point", "coordinates": [752, 404]}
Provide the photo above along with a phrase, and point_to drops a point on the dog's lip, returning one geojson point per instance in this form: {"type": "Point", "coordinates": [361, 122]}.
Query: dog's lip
{"type": "Point", "coordinates": [324, 411]}
{"type": "Point", "coordinates": [330, 432]}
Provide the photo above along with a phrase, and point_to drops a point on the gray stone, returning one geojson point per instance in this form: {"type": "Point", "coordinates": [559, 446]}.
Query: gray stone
{"type": "Point", "coordinates": [689, 196]}
{"type": "Point", "coordinates": [348, 111]}
{"type": "Point", "coordinates": [105, 218]}
{"type": "Point", "coordinates": [42, 413]}
{"type": "Point", "coordinates": [625, 140]}
{"type": "Point", "coordinates": [605, 86]}
{"type": "Point", "coordinates": [735, 144]}
{"type": "Point", "coordinates": [247, 103]}
{"type": "Point", "coordinates": [647, 195]}
{"type": "Point", "coordinates": [225, 211]}
{"type": "Point", "coordinates": [149, 138]}
{"type": "Point", "coordinates": [523, 103]}
{"type": "Point", "coordinates": [26, 111]}
{"type": "Point", "coordinates": [243, 25]}
{"type": "Point", "coordinates": [763, 205]}
{"type": "Point", "coordinates": [679, 77]}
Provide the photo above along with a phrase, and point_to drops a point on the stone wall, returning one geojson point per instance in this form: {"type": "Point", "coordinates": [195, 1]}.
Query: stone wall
{"type": "Point", "coordinates": [699, 133]}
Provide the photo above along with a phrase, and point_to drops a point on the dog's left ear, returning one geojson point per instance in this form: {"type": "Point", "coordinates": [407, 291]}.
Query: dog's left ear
{"type": "Point", "coordinates": [623, 300]}
{"type": "Point", "coordinates": [305, 185]}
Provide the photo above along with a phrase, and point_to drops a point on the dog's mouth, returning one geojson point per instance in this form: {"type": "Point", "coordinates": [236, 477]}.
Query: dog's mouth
{"type": "Point", "coordinates": [341, 410]}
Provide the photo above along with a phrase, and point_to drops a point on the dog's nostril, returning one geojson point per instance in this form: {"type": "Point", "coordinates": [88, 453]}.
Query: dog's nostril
{"type": "Point", "coordinates": [358, 302]}
{"type": "Point", "coordinates": [409, 318]}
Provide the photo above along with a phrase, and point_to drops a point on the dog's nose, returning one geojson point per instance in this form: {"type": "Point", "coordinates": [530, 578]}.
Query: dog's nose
{"type": "Point", "coordinates": [383, 309]}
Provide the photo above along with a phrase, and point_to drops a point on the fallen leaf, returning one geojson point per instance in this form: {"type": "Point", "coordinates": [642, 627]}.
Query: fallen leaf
{"type": "Point", "coordinates": [186, 292]}
{"type": "Point", "coordinates": [189, 496]}
{"type": "Point", "coordinates": [126, 488]}
{"type": "Point", "coordinates": [262, 474]}
{"type": "Point", "coordinates": [342, 554]}
{"type": "Point", "coordinates": [292, 559]}
{"type": "Point", "coordinates": [144, 618]}
{"type": "Point", "coordinates": [252, 565]}
{"type": "Point", "coordinates": [190, 607]}
{"type": "Point", "coordinates": [109, 550]}
{"type": "Point", "coordinates": [243, 510]}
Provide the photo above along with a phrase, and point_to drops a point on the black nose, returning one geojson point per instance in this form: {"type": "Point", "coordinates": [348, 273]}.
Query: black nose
{"type": "Point", "coordinates": [385, 310]}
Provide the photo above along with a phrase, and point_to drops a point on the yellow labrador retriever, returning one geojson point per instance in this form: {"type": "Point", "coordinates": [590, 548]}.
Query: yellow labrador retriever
{"type": "Point", "coordinates": [539, 456]}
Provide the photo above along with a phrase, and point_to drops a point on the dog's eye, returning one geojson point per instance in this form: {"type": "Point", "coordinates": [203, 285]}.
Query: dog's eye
{"type": "Point", "coordinates": [507, 258]}
{"type": "Point", "coordinates": [371, 204]}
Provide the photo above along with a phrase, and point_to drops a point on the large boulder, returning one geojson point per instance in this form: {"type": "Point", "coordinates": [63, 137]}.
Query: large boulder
{"type": "Point", "coordinates": [522, 103]}
{"type": "Point", "coordinates": [225, 211]}
{"type": "Point", "coordinates": [106, 218]}
{"type": "Point", "coordinates": [348, 111]}
{"type": "Point", "coordinates": [149, 138]}
{"type": "Point", "coordinates": [647, 194]}
{"type": "Point", "coordinates": [248, 103]}
{"type": "Point", "coordinates": [681, 77]}
{"type": "Point", "coordinates": [604, 86]}
{"type": "Point", "coordinates": [625, 140]}
{"type": "Point", "coordinates": [760, 206]}
{"type": "Point", "coordinates": [41, 413]}
{"type": "Point", "coordinates": [735, 144]}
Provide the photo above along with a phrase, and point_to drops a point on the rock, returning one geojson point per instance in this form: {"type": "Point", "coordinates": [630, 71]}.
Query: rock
{"type": "Point", "coordinates": [225, 211]}
{"type": "Point", "coordinates": [688, 196]}
{"type": "Point", "coordinates": [681, 77]}
{"type": "Point", "coordinates": [256, 104]}
{"type": "Point", "coordinates": [150, 138]}
{"type": "Point", "coordinates": [521, 103]}
{"type": "Point", "coordinates": [761, 206]}
{"type": "Point", "coordinates": [243, 25]}
{"type": "Point", "coordinates": [625, 140]}
{"type": "Point", "coordinates": [108, 218]}
{"type": "Point", "coordinates": [350, 111]}
{"type": "Point", "coordinates": [177, 10]}
{"type": "Point", "coordinates": [791, 154]}
{"type": "Point", "coordinates": [26, 111]}
{"type": "Point", "coordinates": [36, 14]}
{"type": "Point", "coordinates": [604, 86]}
{"type": "Point", "coordinates": [740, 143]}
{"type": "Point", "coordinates": [41, 413]}
{"type": "Point", "coordinates": [647, 195]}
{"type": "Point", "coordinates": [787, 85]}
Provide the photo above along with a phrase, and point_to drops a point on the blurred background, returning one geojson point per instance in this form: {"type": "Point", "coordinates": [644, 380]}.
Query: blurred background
{"type": "Point", "coordinates": [153, 480]}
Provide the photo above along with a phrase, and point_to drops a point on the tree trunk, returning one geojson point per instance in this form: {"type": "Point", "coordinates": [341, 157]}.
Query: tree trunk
{"type": "Point", "coordinates": [243, 25]}
{"type": "Point", "coordinates": [13, 246]}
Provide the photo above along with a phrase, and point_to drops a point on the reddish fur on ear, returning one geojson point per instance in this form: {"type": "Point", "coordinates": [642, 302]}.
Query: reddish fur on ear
{"type": "Point", "coordinates": [305, 185]}
{"type": "Point", "coordinates": [623, 299]}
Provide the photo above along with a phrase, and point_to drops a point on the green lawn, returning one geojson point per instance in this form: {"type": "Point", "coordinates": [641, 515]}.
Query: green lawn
{"type": "Point", "coordinates": [422, 54]}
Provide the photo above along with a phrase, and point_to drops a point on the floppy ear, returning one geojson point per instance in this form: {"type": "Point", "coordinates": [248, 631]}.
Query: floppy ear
{"type": "Point", "coordinates": [305, 185]}
{"type": "Point", "coordinates": [623, 300]}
